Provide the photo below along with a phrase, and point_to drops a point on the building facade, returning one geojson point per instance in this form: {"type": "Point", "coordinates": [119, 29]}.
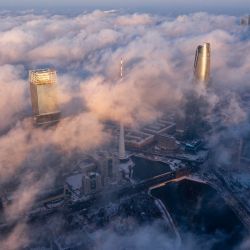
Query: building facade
{"type": "Point", "coordinates": [202, 63]}
{"type": "Point", "coordinates": [108, 165]}
{"type": "Point", "coordinates": [43, 92]}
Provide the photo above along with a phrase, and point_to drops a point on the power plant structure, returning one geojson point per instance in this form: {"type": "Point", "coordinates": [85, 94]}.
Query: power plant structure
{"type": "Point", "coordinates": [202, 64]}
{"type": "Point", "coordinates": [43, 92]}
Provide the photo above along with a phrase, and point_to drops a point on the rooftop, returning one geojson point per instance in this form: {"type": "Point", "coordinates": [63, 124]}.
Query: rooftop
{"type": "Point", "coordinates": [159, 126]}
{"type": "Point", "coordinates": [42, 76]}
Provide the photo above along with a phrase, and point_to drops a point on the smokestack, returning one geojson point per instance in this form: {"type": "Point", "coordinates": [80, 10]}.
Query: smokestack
{"type": "Point", "coordinates": [202, 63]}
{"type": "Point", "coordinates": [126, 165]}
{"type": "Point", "coordinates": [122, 152]}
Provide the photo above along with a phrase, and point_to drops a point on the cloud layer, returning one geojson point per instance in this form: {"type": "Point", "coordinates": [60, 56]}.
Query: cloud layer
{"type": "Point", "coordinates": [158, 54]}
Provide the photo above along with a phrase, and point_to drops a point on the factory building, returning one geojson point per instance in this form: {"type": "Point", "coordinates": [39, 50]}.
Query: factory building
{"type": "Point", "coordinates": [81, 185]}
{"type": "Point", "coordinates": [202, 64]}
{"type": "Point", "coordinates": [135, 139]}
{"type": "Point", "coordinates": [160, 126]}
{"type": "Point", "coordinates": [86, 180]}
{"type": "Point", "coordinates": [108, 165]}
{"type": "Point", "coordinates": [193, 146]}
{"type": "Point", "coordinates": [44, 96]}
{"type": "Point", "coordinates": [167, 142]}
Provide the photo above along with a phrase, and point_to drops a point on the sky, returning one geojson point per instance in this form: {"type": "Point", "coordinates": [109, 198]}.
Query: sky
{"type": "Point", "coordinates": [156, 6]}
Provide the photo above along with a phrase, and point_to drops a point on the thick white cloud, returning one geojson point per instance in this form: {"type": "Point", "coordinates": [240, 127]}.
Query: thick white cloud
{"type": "Point", "coordinates": [158, 55]}
{"type": "Point", "coordinates": [13, 94]}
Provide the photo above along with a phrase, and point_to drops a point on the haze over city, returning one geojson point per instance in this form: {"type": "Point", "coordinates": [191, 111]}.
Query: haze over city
{"type": "Point", "coordinates": [157, 6]}
{"type": "Point", "coordinates": [124, 126]}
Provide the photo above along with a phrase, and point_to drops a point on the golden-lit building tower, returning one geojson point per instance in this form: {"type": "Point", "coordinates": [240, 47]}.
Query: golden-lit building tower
{"type": "Point", "coordinates": [202, 63]}
{"type": "Point", "coordinates": [43, 91]}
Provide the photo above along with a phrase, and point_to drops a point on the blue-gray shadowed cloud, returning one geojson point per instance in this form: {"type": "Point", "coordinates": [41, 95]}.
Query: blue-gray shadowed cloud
{"type": "Point", "coordinates": [161, 6]}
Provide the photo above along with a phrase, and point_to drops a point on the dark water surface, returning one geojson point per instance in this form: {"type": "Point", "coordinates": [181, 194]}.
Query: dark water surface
{"type": "Point", "coordinates": [145, 169]}
{"type": "Point", "coordinates": [198, 210]}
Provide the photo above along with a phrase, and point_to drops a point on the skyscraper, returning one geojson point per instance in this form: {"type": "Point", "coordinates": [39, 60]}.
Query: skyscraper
{"type": "Point", "coordinates": [202, 64]}
{"type": "Point", "coordinates": [44, 96]}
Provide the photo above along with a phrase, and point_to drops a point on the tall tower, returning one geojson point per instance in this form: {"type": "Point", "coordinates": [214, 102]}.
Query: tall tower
{"type": "Point", "coordinates": [202, 64]}
{"type": "Point", "coordinates": [43, 96]}
{"type": "Point", "coordinates": [125, 163]}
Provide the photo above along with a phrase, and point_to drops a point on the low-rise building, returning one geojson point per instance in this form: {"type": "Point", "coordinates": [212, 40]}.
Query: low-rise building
{"type": "Point", "coordinates": [160, 126]}
{"type": "Point", "coordinates": [167, 142]}
{"type": "Point", "coordinates": [135, 139]}
{"type": "Point", "coordinates": [107, 163]}
{"type": "Point", "coordinates": [193, 146]}
{"type": "Point", "coordinates": [82, 185]}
